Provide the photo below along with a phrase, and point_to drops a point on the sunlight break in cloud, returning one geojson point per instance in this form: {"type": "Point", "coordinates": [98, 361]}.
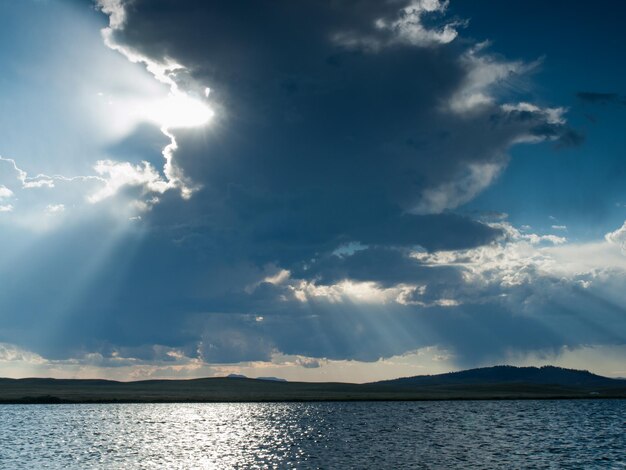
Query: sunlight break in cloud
{"type": "Point", "coordinates": [124, 111]}
{"type": "Point", "coordinates": [177, 110]}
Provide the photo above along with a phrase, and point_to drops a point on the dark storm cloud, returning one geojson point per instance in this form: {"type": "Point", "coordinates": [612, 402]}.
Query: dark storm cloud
{"type": "Point", "coordinates": [475, 332]}
{"type": "Point", "coordinates": [328, 130]}
{"type": "Point", "coordinates": [600, 98]}
{"type": "Point", "coordinates": [300, 116]}
{"type": "Point", "coordinates": [314, 143]}
{"type": "Point", "coordinates": [211, 305]}
{"type": "Point", "coordinates": [383, 265]}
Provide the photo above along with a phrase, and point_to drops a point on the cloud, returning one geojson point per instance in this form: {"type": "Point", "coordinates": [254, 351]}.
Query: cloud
{"type": "Point", "coordinates": [107, 111]}
{"type": "Point", "coordinates": [485, 75]}
{"type": "Point", "coordinates": [409, 27]}
{"type": "Point", "coordinates": [5, 192]}
{"type": "Point", "coordinates": [570, 138]}
{"type": "Point", "coordinates": [317, 213]}
{"type": "Point", "coordinates": [162, 362]}
{"type": "Point", "coordinates": [309, 363]}
{"type": "Point", "coordinates": [11, 353]}
{"type": "Point", "coordinates": [268, 84]}
{"type": "Point", "coordinates": [182, 111]}
{"type": "Point", "coordinates": [116, 11]}
{"type": "Point", "coordinates": [403, 26]}
{"type": "Point", "coordinates": [502, 288]}
{"type": "Point", "coordinates": [117, 175]}
{"type": "Point", "coordinates": [618, 237]}
{"type": "Point", "coordinates": [26, 182]}
{"type": "Point", "coordinates": [55, 208]}
{"type": "Point", "coordinates": [113, 181]}
{"type": "Point", "coordinates": [600, 98]}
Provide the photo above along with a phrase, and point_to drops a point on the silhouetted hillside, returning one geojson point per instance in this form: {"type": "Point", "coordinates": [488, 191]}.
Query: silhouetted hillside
{"type": "Point", "coordinates": [547, 375]}
{"type": "Point", "coordinates": [502, 382]}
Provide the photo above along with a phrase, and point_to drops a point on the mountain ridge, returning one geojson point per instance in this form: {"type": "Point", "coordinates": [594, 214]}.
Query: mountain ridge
{"type": "Point", "coordinates": [508, 374]}
{"type": "Point", "coordinates": [489, 383]}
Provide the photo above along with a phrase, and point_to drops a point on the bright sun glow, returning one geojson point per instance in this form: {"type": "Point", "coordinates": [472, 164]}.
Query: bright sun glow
{"type": "Point", "coordinates": [179, 110]}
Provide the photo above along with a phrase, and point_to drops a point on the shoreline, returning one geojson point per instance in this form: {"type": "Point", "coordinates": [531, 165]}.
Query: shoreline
{"type": "Point", "coordinates": [53, 400]}
{"type": "Point", "coordinates": [497, 383]}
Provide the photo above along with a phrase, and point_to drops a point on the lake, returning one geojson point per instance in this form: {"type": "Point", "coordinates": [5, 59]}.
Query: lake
{"type": "Point", "coordinates": [452, 434]}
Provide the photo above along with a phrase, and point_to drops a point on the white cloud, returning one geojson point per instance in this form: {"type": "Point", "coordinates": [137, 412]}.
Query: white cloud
{"type": "Point", "coordinates": [28, 182]}
{"type": "Point", "coordinates": [120, 174]}
{"type": "Point", "coordinates": [477, 177]}
{"type": "Point", "coordinates": [349, 249]}
{"type": "Point", "coordinates": [406, 27]}
{"type": "Point", "coordinates": [33, 195]}
{"type": "Point", "coordinates": [349, 291]}
{"type": "Point", "coordinates": [618, 237]}
{"type": "Point", "coordinates": [171, 363]}
{"type": "Point", "coordinates": [115, 10]}
{"type": "Point", "coordinates": [409, 28]}
{"type": "Point", "coordinates": [512, 260]}
{"type": "Point", "coordinates": [551, 115]}
{"type": "Point", "coordinates": [55, 208]}
{"type": "Point", "coordinates": [278, 278]}
{"type": "Point", "coordinates": [503, 264]}
{"type": "Point", "coordinates": [12, 353]}
{"type": "Point", "coordinates": [484, 74]}
{"type": "Point", "coordinates": [511, 233]}
{"type": "Point", "coordinates": [166, 362]}
{"type": "Point", "coordinates": [592, 259]}
{"type": "Point", "coordinates": [487, 272]}
{"type": "Point", "coordinates": [5, 192]}
{"type": "Point", "coordinates": [366, 293]}
{"type": "Point", "coordinates": [526, 270]}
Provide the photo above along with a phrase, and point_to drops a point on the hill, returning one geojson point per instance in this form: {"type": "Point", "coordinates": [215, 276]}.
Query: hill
{"type": "Point", "coordinates": [547, 375]}
{"type": "Point", "coordinates": [501, 382]}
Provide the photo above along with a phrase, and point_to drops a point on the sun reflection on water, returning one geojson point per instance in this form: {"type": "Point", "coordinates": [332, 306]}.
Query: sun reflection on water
{"type": "Point", "coordinates": [496, 434]}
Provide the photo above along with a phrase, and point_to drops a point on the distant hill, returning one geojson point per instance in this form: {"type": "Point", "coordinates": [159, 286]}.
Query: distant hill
{"type": "Point", "coordinates": [500, 382]}
{"type": "Point", "coordinates": [236, 376]}
{"type": "Point", "coordinates": [547, 375]}
{"type": "Point", "coordinates": [239, 376]}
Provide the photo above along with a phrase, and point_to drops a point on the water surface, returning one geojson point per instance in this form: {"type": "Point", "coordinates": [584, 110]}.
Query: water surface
{"type": "Point", "coordinates": [455, 434]}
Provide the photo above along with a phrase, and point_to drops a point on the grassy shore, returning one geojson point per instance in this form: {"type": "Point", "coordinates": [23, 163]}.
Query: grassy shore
{"type": "Point", "coordinates": [252, 390]}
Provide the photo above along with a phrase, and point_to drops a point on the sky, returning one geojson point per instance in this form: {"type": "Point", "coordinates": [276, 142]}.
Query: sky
{"type": "Point", "coordinates": [348, 190]}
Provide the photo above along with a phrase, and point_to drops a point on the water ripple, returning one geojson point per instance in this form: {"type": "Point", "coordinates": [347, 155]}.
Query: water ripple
{"type": "Point", "coordinates": [472, 434]}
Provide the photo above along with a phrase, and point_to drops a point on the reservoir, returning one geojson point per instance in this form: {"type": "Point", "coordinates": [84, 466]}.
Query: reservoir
{"type": "Point", "coordinates": [438, 434]}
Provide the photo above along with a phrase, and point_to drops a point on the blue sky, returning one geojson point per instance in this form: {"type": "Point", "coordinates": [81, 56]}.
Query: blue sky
{"type": "Point", "coordinates": [580, 49]}
{"type": "Point", "coordinates": [346, 191]}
